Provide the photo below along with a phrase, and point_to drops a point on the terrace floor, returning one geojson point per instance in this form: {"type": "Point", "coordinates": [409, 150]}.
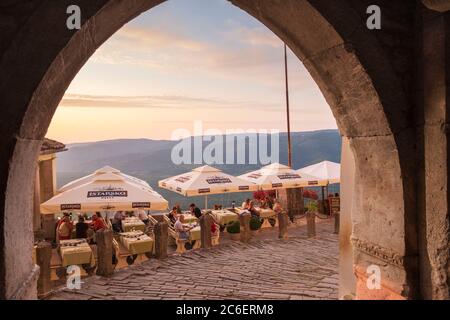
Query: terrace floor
{"type": "Point", "coordinates": [266, 268]}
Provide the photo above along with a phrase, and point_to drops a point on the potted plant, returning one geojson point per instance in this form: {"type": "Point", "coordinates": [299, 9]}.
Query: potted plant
{"type": "Point", "coordinates": [234, 229]}
{"type": "Point", "coordinates": [312, 206]}
{"type": "Point", "coordinates": [255, 224]}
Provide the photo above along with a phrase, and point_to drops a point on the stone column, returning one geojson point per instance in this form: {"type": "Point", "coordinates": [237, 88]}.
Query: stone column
{"type": "Point", "coordinates": [104, 252]}
{"type": "Point", "coordinates": [434, 138]}
{"type": "Point", "coordinates": [161, 239]}
{"type": "Point", "coordinates": [36, 203]}
{"type": "Point", "coordinates": [311, 224]}
{"type": "Point", "coordinates": [244, 219]}
{"type": "Point", "coordinates": [205, 225]}
{"type": "Point", "coordinates": [282, 225]}
{"type": "Point", "coordinates": [347, 280]}
{"type": "Point", "coordinates": [43, 259]}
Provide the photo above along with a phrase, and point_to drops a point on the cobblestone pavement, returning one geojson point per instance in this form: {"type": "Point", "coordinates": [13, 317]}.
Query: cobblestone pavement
{"type": "Point", "coordinates": [296, 268]}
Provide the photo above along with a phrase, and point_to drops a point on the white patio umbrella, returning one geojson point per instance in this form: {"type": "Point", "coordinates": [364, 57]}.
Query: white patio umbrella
{"type": "Point", "coordinates": [97, 173]}
{"type": "Point", "coordinates": [204, 181]}
{"type": "Point", "coordinates": [326, 170]}
{"type": "Point", "coordinates": [107, 191]}
{"type": "Point", "coordinates": [278, 176]}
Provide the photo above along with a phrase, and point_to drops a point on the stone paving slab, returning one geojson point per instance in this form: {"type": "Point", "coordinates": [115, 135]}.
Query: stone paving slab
{"type": "Point", "coordinates": [266, 268]}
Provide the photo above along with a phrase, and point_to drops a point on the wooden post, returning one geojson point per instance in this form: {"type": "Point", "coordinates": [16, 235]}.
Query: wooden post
{"type": "Point", "coordinates": [161, 239]}
{"type": "Point", "coordinates": [205, 226]}
{"type": "Point", "coordinates": [337, 222]}
{"type": "Point", "coordinates": [104, 252]}
{"type": "Point", "coordinates": [282, 225]}
{"type": "Point", "coordinates": [43, 258]}
{"type": "Point", "coordinates": [311, 224]}
{"type": "Point", "coordinates": [244, 219]}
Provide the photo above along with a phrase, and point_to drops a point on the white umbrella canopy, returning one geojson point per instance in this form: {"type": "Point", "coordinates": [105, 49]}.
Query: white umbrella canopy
{"type": "Point", "coordinates": [107, 191]}
{"type": "Point", "coordinates": [206, 180]}
{"type": "Point", "coordinates": [325, 170]}
{"type": "Point", "coordinates": [97, 173]}
{"type": "Point", "coordinates": [278, 176]}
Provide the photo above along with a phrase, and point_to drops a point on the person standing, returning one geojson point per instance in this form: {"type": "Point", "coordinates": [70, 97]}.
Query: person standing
{"type": "Point", "coordinates": [117, 221]}
{"type": "Point", "coordinates": [195, 211]}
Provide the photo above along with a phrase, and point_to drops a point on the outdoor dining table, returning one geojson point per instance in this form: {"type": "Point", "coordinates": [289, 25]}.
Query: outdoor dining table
{"type": "Point", "coordinates": [195, 233]}
{"type": "Point", "coordinates": [266, 213]}
{"type": "Point", "coordinates": [76, 252]}
{"type": "Point", "coordinates": [133, 224]}
{"type": "Point", "coordinates": [136, 242]}
{"type": "Point", "coordinates": [224, 217]}
{"type": "Point", "coordinates": [189, 218]}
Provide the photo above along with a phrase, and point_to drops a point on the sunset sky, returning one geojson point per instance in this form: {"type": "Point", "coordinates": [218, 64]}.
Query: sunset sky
{"type": "Point", "coordinates": [188, 60]}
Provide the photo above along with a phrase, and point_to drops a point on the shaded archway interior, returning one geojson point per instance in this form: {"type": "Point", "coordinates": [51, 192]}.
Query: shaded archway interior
{"type": "Point", "coordinates": [377, 131]}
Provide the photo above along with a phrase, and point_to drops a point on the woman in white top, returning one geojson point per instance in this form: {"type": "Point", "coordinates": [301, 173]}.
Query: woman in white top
{"type": "Point", "coordinates": [142, 215]}
{"type": "Point", "coordinates": [277, 207]}
{"type": "Point", "coordinates": [183, 231]}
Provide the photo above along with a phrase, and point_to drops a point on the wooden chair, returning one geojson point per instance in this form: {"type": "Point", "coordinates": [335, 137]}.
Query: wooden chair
{"type": "Point", "coordinates": [152, 220]}
{"type": "Point", "coordinates": [179, 242]}
{"type": "Point", "coordinates": [167, 220]}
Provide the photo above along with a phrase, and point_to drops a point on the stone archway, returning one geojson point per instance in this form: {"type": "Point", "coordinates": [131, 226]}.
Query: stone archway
{"type": "Point", "coordinates": [364, 78]}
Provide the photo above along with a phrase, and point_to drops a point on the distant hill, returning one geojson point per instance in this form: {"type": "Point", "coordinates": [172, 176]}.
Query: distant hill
{"type": "Point", "coordinates": [151, 160]}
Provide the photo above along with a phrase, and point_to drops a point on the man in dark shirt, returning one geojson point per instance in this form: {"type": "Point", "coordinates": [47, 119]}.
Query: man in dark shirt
{"type": "Point", "coordinates": [81, 229]}
{"type": "Point", "coordinates": [195, 211]}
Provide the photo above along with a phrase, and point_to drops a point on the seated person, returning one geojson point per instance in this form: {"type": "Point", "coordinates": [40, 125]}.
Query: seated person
{"type": "Point", "coordinates": [277, 207]}
{"type": "Point", "coordinates": [251, 208]}
{"type": "Point", "coordinates": [173, 215]}
{"type": "Point", "coordinates": [142, 215]}
{"type": "Point", "coordinates": [98, 223]}
{"type": "Point", "coordinates": [195, 211]}
{"type": "Point", "coordinates": [117, 221]}
{"type": "Point", "coordinates": [245, 204]}
{"type": "Point", "coordinates": [99, 215]}
{"type": "Point", "coordinates": [81, 229]}
{"type": "Point", "coordinates": [65, 228]}
{"type": "Point", "coordinates": [214, 229]}
{"type": "Point", "coordinates": [182, 230]}
{"type": "Point", "coordinates": [267, 203]}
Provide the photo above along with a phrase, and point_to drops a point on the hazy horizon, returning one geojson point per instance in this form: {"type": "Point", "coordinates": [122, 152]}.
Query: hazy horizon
{"type": "Point", "coordinates": [152, 139]}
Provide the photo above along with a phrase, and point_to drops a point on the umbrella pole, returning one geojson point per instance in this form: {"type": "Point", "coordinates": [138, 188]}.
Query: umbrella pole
{"type": "Point", "coordinates": [206, 202]}
{"type": "Point", "coordinates": [323, 199]}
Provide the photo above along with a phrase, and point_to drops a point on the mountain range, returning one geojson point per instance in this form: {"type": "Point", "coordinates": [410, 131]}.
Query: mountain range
{"type": "Point", "coordinates": [151, 161]}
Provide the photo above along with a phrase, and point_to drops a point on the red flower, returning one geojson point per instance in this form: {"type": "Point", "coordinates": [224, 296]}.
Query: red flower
{"type": "Point", "coordinates": [310, 194]}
